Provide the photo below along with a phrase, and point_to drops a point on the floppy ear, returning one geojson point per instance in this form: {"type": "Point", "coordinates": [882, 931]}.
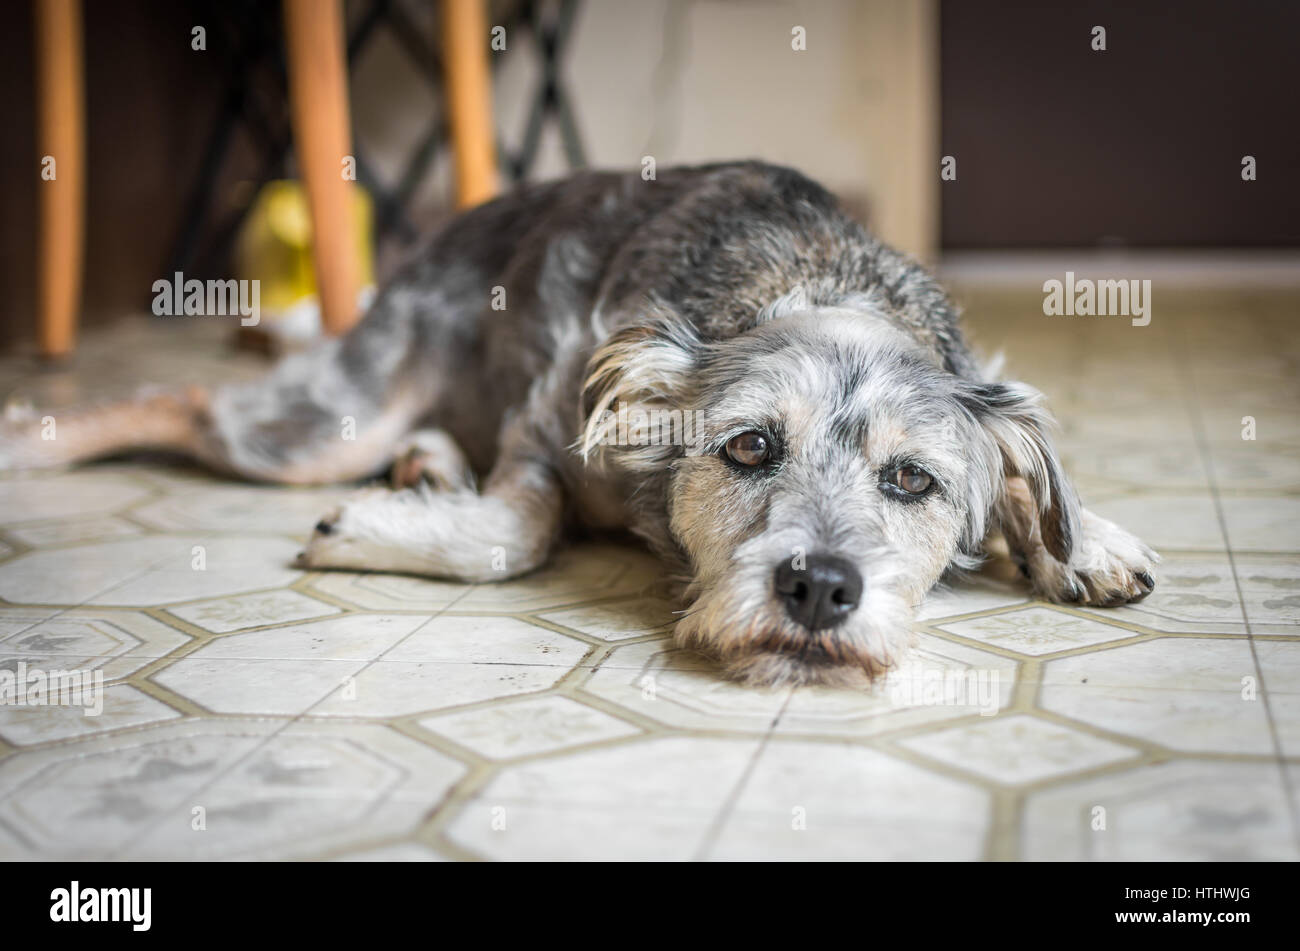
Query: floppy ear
{"type": "Point", "coordinates": [635, 393]}
{"type": "Point", "coordinates": [1013, 414]}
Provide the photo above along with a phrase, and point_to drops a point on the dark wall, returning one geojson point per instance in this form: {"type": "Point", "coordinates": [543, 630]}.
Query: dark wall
{"type": "Point", "coordinates": [1058, 145]}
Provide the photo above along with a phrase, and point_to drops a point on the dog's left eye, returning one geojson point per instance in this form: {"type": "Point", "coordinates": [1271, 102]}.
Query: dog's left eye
{"type": "Point", "coordinates": [747, 449]}
{"type": "Point", "coordinates": [911, 479]}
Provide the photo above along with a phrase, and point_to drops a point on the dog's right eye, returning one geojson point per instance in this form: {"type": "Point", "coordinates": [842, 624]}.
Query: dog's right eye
{"type": "Point", "coordinates": [747, 449]}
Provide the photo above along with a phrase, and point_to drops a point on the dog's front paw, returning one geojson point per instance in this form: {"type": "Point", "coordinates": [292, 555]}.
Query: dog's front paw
{"type": "Point", "coordinates": [338, 540]}
{"type": "Point", "coordinates": [1108, 567]}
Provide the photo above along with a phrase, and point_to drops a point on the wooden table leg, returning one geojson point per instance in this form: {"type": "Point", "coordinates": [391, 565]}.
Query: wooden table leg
{"type": "Point", "coordinates": [318, 91]}
{"type": "Point", "coordinates": [469, 95]}
{"type": "Point", "coordinates": [62, 169]}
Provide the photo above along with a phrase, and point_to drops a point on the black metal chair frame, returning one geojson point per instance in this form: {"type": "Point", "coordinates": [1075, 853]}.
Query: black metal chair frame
{"type": "Point", "coordinates": [249, 39]}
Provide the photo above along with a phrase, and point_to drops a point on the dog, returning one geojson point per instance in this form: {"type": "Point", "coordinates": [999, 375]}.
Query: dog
{"type": "Point", "coordinates": [845, 451]}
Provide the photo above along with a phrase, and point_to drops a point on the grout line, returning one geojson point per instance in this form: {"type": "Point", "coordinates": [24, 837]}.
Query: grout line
{"type": "Point", "coordinates": [85, 604]}
{"type": "Point", "coordinates": [140, 835]}
{"type": "Point", "coordinates": [728, 806]}
{"type": "Point", "coordinates": [1194, 408]}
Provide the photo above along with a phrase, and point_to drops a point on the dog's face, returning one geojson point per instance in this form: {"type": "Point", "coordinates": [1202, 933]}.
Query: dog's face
{"type": "Point", "coordinates": [840, 473]}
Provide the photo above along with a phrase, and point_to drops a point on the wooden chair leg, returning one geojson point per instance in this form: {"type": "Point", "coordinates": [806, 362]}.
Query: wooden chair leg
{"type": "Point", "coordinates": [469, 93]}
{"type": "Point", "coordinates": [62, 184]}
{"type": "Point", "coordinates": [318, 91]}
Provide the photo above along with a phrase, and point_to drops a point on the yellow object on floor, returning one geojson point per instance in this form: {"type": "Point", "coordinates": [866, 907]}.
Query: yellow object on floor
{"type": "Point", "coordinates": [275, 249]}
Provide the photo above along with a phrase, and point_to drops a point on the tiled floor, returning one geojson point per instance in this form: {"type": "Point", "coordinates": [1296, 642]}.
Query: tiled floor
{"type": "Point", "coordinates": [253, 710]}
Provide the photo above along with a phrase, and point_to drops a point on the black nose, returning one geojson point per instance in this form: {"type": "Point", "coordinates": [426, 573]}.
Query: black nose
{"type": "Point", "coordinates": [821, 593]}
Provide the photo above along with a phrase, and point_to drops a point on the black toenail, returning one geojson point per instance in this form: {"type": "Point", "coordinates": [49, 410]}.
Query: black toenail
{"type": "Point", "coordinates": [323, 527]}
{"type": "Point", "coordinates": [1075, 591]}
{"type": "Point", "coordinates": [1146, 579]}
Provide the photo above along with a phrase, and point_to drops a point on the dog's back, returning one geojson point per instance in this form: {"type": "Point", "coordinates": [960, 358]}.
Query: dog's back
{"type": "Point", "coordinates": [507, 303]}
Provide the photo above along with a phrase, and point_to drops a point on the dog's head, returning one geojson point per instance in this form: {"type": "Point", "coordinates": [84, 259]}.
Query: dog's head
{"type": "Point", "coordinates": [836, 471]}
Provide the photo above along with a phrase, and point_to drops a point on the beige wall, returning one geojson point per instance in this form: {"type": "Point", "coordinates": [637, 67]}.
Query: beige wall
{"type": "Point", "coordinates": [695, 80]}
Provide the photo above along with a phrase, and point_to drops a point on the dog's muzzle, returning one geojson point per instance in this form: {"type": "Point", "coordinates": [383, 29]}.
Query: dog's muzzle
{"type": "Point", "coordinates": [821, 593]}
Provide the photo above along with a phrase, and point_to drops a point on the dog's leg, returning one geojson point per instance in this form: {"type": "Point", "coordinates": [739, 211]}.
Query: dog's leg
{"type": "Point", "coordinates": [262, 431]}
{"type": "Point", "coordinates": [1069, 554]}
{"type": "Point", "coordinates": [506, 530]}
{"type": "Point", "coordinates": [331, 414]}
{"type": "Point", "coordinates": [1104, 566]}
{"type": "Point", "coordinates": [168, 420]}
{"type": "Point", "coordinates": [431, 456]}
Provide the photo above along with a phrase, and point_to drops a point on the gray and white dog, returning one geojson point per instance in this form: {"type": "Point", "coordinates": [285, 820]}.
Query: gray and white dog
{"type": "Point", "coordinates": [811, 444]}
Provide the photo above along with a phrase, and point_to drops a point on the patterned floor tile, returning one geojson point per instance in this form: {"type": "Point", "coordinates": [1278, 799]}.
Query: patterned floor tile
{"type": "Point", "coordinates": [982, 592]}
{"type": "Point", "coordinates": [1254, 465]}
{"type": "Point", "coordinates": [454, 639]}
{"type": "Point", "coordinates": [286, 687]}
{"type": "Point", "coordinates": [457, 660]}
{"type": "Point", "coordinates": [223, 507]}
{"type": "Point", "coordinates": [1279, 663]}
{"type": "Point", "coordinates": [396, 689]}
{"type": "Point", "coordinates": [573, 575]}
{"type": "Point", "coordinates": [1270, 523]}
{"type": "Point", "coordinates": [1172, 465]}
{"type": "Point", "coordinates": [15, 619]}
{"type": "Point", "coordinates": [35, 497]}
{"type": "Point", "coordinates": [844, 803]}
{"type": "Point", "coordinates": [1194, 594]}
{"type": "Point", "coordinates": [223, 615]}
{"type": "Point", "coordinates": [1178, 811]}
{"type": "Point", "coordinates": [1270, 585]}
{"type": "Point", "coordinates": [210, 567]}
{"type": "Point", "coordinates": [1018, 749]}
{"type": "Point", "coordinates": [654, 799]}
{"type": "Point", "coordinates": [49, 534]}
{"type": "Point", "coordinates": [389, 592]}
{"type": "Point", "coordinates": [76, 574]}
{"type": "Point", "coordinates": [93, 798]}
{"type": "Point", "coordinates": [1198, 594]}
{"type": "Point", "coordinates": [82, 711]}
{"type": "Point", "coordinates": [287, 670]}
{"type": "Point", "coordinates": [310, 787]}
{"type": "Point", "coordinates": [352, 637]}
{"type": "Point", "coordinates": [618, 620]}
{"type": "Point", "coordinates": [527, 727]}
{"type": "Point", "coordinates": [1166, 663]}
{"type": "Point", "coordinates": [680, 688]}
{"type": "Point", "coordinates": [117, 642]}
{"type": "Point", "coordinates": [1171, 521]}
{"type": "Point", "coordinates": [1036, 630]}
{"type": "Point", "coordinates": [938, 681]}
{"type": "Point", "coordinates": [1181, 693]}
